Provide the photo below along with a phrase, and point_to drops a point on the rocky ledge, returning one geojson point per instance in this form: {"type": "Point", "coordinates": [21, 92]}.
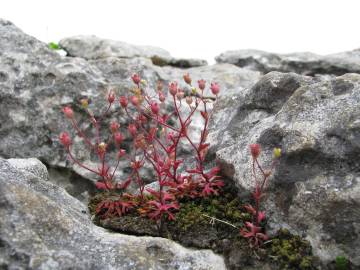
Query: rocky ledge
{"type": "Point", "coordinates": [300, 106]}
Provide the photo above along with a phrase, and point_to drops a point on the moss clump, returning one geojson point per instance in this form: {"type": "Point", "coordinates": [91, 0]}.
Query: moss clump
{"type": "Point", "coordinates": [291, 251]}
{"type": "Point", "coordinates": [341, 263]}
{"type": "Point", "coordinates": [158, 61]}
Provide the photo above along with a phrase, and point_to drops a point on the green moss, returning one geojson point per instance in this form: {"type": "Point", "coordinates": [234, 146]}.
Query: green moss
{"type": "Point", "coordinates": [54, 46]}
{"type": "Point", "coordinates": [291, 251]}
{"type": "Point", "coordinates": [341, 263]}
{"type": "Point", "coordinates": [158, 61]}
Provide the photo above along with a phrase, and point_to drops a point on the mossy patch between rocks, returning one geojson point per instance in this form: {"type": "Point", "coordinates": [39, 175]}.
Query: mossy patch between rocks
{"type": "Point", "coordinates": [201, 223]}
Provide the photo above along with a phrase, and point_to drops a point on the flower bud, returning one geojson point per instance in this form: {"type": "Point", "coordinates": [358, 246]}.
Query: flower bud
{"type": "Point", "coordinates": [161, 97]}
{"type": "Point", "coordinates": [123, 101]}
{"type": "Point", "coordinates": [187, 78]}
{"type": "Point", "coordinates": [65, 139]}
{"type": "Point", "coordinates": [114, 126]}
{"type": "Point", "coordinates": [193, 90]}
{"type": "Point", "coordinates": [159, 86]}
{"type": "Point", "coordinates": [121, 153]}
{"type": "Point", "coordinates": [154, 107]}
{"type": "Point", "coordinates": [173, 87]}
{"type": "Point", "coordinates": [136, 78]}
{"type": "Point", "coordinates": [139, 142]}
{"type": "Point", "coordinates": [132, 129]}
{"type": "Point", "coordinates": [189, 100]}
{"type": "Point", "coordinates": [180, 94]}
{"type": "Point", "coordinates": [68, 112]}
{"type": "Point", "coordinates": [102, 147]}
{"type": "Point", "coordinates": [84, 103]}
{"type": "Point", "coordinates": [141, 118]}
{"type": "Point", "coordinates": [255, 150]}
{"type": "Point", "coordinates": [277, 152]}
{"type": "Point", "coordinates": [111, 97]}
{"type": "Point", "coordinates": [201, 84]}
{"type": "Point", "coordinates": [118, 137]}
{"type": "Point", "coordinates": [134, 100]}
{"type": "Point", "coordinates": [215, 88]}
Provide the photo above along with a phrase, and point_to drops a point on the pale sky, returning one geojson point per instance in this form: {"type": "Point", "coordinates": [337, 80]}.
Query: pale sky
{"type": "Point", "coordinates": [196, 28]}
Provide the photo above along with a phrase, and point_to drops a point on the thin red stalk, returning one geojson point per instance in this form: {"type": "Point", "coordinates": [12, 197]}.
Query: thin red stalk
{"type": "Point", "coordinates": [117, 164]}
{"type": "Point", "coordinates": [104, 113]}
{"type": "Point", "coordinates": [81, 133]}
{"type": "Point", "coordinates": [160, 123]}
{"type": "Point", "coordinates": [79, 163]}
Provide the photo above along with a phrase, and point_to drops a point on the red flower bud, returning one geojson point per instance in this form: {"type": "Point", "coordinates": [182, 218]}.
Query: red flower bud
{"type": "Point", "coordinates": [201, 84]}
{"type": "Point", "coordinates": [111, 97]}
{"type": "Point", "coordinates": [141, 118]}
{"type": "Point", "coordinates": [161, 97]}
{"type": "Point", "coordinates": [187, 78]}
{"type": "Point", "coordinates": [215, 88]}
{"type": "Point", "coordinates": [114, 126]}
{"type": "Point", "coordinates": [65, 139]}
{"type": "Point", "coordinates": [134, 100]}
{"type": "Point", "coordinates": [123, 101]}
{"type": "Point", "coordinates": [136, 78]}
{"type": "Point", "coordinates": [68, 112]}
{"type": "Point", "coordinates": [173, 88]}
{"type": "Point", "coordinates": [121, 153]}
{"type": "Point", "coordinates": [255, 150]}
{"type": "Point", "coordinates": [118, 137]}
{"type": "Point", "coordinates": [154, 107]}
{"type": "Point", "coordinates": [132, 129]}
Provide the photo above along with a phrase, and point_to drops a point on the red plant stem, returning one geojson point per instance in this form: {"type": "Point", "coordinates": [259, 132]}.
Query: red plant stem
{"type": "Point", "coordinates": [81, 133]}
{"type": "Point", "coordinates": [141, 186]}
{"type": "Point", "coordinates": [192, 112]}
{"type": "Point", "coordinates": [79, 163]}
{"type": "Point", "coordinates": [117, 165]}
{"type": "Point", "coordinates": [160, 123]}
{"type": "Point", "coordinates": [104, 113]}
{"type": "Point", "coordinates": [148, 158]}
{"type": "Point", "coordinates": [143, 129]}
{"type": "Point", "coordinates": [95, 124]}
{"type": "Point", "coordinates": [259, 189]}
{"type": "Point", "coordinates": [257, 205]}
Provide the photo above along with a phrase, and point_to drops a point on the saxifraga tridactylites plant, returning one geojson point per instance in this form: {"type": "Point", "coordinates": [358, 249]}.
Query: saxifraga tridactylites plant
{"type": "Point", "coordinates": [155, 141]}
{"type": "Point", "coordinates": [254, 231]}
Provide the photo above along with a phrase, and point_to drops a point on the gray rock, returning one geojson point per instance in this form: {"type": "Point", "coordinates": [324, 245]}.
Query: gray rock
{"type": "Point", "coordinates": [315, 189]}
{"type": "Point", "coordinates": [45, 228]}
{"type": "Point", "coordinates": [302, 63]}
{"type": "Point", "coordinates": [92, 47]}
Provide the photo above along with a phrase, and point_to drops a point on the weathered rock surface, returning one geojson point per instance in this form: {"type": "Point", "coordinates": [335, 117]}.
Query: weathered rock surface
{"type": "Point", "coordinates": [92, 47]}
{"type": "Point", "coordinates": [315, 189]}
{"type": "Point", "coordinates": [42, 227]}
{"type": "Point", "coordinates": [302, 63]}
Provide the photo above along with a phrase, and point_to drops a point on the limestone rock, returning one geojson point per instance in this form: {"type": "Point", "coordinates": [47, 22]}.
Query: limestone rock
{"type": "Point", "coordinates": [302, 63]}
{"type": "Point", "coordinates": [316, 185]}
{"type": "Point", "coordinates": [45, 228]}
{"type": "Point", "coordinates": [92, 48]}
